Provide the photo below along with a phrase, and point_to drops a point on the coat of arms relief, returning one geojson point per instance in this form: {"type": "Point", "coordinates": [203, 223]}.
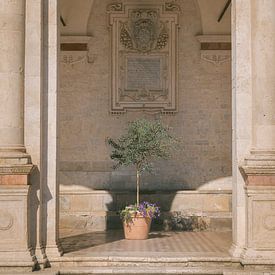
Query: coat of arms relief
{"type": "Point", "coordinates": [144, 57]}
{"type": "Point", "coordinates": [144, 33]}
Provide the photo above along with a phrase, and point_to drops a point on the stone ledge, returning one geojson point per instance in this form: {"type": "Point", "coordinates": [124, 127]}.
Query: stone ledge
{"type": "Point", "coordinates": [67, 191]}
{"type": "Point", "coordinates": [258, 169]}
{"type": "Point", "coordinates": [24, 169]}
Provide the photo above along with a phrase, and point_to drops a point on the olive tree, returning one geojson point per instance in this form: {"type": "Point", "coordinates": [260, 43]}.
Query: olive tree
{"type": "Point", "coordinates": [143, 142]}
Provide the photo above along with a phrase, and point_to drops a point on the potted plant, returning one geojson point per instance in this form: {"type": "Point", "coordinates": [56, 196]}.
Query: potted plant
{"type": "Point", "coordinates": [144, 142]}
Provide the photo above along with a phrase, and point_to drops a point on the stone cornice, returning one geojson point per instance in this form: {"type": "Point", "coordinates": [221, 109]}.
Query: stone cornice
{"type": "Point", "coordinates": [75, 39]}
{"type": "Point", "coordinates": [217, 38]}
{"type": "Point", "coordinates": [16, 169]}
{"type": "Point", "coordinates": [259, 169]}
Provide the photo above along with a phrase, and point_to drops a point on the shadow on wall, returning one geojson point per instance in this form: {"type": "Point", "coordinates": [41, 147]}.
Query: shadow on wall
{"type": "Point", "coordinates": [207, 208]}
{"type": "Point", "coordinates": [196, 210]}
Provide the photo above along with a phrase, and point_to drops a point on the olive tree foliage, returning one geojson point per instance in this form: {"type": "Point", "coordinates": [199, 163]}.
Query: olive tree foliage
{"type": "Point", "coordinates": [143, 142]}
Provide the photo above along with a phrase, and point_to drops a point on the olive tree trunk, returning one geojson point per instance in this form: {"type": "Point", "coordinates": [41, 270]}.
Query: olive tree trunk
{"type": "Point", "coordinates": [138, 184]}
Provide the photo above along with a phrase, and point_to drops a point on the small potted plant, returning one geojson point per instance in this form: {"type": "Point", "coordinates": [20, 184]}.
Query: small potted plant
{"type": "Point", "coordinates": [144, 142]}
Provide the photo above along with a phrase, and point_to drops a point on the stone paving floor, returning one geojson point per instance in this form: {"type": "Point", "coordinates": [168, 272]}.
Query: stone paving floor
{"type": "Point", "coordinates": [173, 244]}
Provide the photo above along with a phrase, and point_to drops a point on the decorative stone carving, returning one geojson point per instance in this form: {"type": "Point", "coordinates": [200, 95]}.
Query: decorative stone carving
{"type": "Point", "coordinates": [115, 7]}
{"type": "Point", "coordinates": [74, 49]}
{"type": "Point", "coordinates": [144, 57]}
{"type": "Point", "coordinates": [172, 7]}
{"type": "Point", "coordinates": [215, 48]}
{"type": "Point", "coordinates": [216, 57]}
{"type": "Point", "coordinates": [72, 58]}
{"type": "Point", "coordinates": [6, 220]}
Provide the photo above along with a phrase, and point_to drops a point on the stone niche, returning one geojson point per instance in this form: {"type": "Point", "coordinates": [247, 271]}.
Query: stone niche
{"type": "Point", "coordinates": [144, 39]}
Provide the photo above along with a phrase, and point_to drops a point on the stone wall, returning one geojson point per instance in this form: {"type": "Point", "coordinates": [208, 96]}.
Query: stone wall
{"type": "Point", "coordinates": [203, 120]}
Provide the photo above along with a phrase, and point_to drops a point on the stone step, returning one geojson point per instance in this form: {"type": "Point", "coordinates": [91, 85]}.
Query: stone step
{"type": "Point", "coordinates": [146, 265]}
{"type": "Point", "coordinates": [146, 262]}
{"type": "Point", "coordinates": [142, 271]}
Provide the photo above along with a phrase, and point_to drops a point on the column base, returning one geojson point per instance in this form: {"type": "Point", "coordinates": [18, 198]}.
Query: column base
{"type": "Point", "coordinates": [236, 251]}
{"type": "Point", "coordinates": [16, 260]}
{"type": "Point", "coordinates": [49, 253]}
{"type": "Point", "coordinates": [53, 251]}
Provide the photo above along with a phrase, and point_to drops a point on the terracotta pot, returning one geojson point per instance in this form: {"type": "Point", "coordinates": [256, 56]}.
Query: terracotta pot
{"type": "Point", "coordinates": [138, 228]}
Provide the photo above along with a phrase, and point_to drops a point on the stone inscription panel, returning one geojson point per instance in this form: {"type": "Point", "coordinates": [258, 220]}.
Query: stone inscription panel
{"type": "Point", "coordinates": [144, 47]}
{"type": "Point", "coordinates": [143, 73]}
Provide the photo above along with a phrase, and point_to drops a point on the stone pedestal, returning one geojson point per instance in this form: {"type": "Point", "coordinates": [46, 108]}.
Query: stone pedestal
{"type": "Point", "coordinates": [260, 222]}
{"type": "Point", "coordinates": [14, 218]}
{"type": "Point", "coordinates": [258, 171]}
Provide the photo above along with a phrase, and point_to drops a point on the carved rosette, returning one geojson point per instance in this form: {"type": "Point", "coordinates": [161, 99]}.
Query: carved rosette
{"type": "Point", "coordinates": [144, 54]}
{"type": "Point", "coordinates": [6, 221]}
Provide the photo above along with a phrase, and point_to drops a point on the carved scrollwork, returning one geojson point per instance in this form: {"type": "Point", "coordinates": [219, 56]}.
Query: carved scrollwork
{"type": "Point", "coordinates": [115, 7]}
{"type": "Point", "coordinates": [143, 95]}
{"type": "Point", "coordinates": [6, 221]}
{"type": "Point", "coordinates": [214, 57]}
{"type": "Point", "coordinates": [172, 7]}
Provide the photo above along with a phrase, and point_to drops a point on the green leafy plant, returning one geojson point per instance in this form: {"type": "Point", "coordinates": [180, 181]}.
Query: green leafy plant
{"type": "Point", "coordinates": [144, 142]}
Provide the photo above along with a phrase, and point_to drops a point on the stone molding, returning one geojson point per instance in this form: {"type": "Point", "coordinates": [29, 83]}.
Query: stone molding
{"type": "Point", "coordinates": [75, 39]}
{"type": "Point", "coordinates": [16, 169]}
{"type": "Point", "coordinates": [216, 57]}
{"type": "Point", "coordinates": [258, 169]}
{"type": "Point", "coordinates": [214, 38]}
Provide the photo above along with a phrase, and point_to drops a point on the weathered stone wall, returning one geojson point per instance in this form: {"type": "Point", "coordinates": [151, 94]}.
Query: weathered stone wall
{"type": "Point", "coordinates": [203, 121]}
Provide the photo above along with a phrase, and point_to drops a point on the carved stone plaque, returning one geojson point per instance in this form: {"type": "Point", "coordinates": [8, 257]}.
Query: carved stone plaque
{"type": "Point", "coordinates": [144, 57]}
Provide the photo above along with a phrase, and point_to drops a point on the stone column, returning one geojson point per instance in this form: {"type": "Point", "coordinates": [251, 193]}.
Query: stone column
{"type": "Point", "coordinates": [258, 168]}
{"type": "Point", "coordinates": [241, 115]}
{"type": "Point", "coordinates": [15, 164]}
{"type": "Point", "coordinates": [263, 72]}
{"type": "Point", "coordinates": [49, 218]}
{"type": "Point", "coordinates": [12, 16]}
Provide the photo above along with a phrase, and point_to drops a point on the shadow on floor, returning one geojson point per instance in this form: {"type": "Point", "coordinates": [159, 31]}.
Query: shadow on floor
{"type": "Point", "coordinates": [113, 243]}
{"type": "Point", "coordinates": [94, 239]}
